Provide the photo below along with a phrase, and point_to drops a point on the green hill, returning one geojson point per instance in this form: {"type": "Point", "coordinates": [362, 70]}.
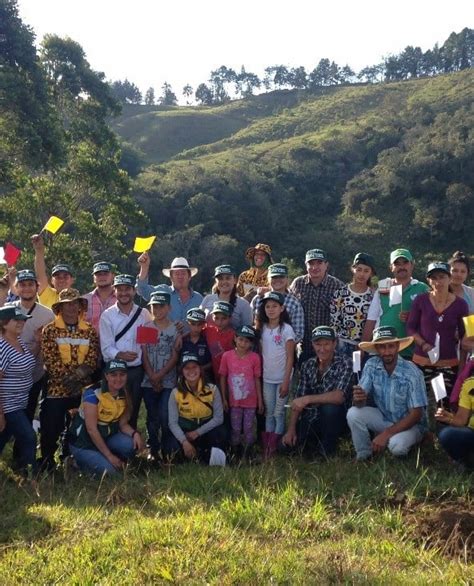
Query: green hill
{"type": "Point", "coordinates": [348, 168]}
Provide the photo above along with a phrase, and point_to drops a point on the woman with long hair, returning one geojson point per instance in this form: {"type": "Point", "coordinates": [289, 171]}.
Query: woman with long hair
{"type": "Point", "coordinates": [460, 270]}
{"type": "Point", "coordinates": [101, 438]}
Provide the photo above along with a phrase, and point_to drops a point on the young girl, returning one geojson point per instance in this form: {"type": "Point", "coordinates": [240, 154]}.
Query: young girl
{"type": "Point", "coordinates": [278, 348]}
{"type": "Point", "coordinates": [240, 373]}
{"type": "Point", "coordinates": [219, 334]}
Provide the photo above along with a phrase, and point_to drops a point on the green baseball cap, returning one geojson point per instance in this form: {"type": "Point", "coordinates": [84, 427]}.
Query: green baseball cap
{"type": "Point", "coordinates": [102, 267]}
{"type": "Point", "coordinates": [26, 275]}
{"type": "Point", "coordinates": [440, 267]}
{"type": "Point", "coordinates": [114, 365]}
{"type": "Point", "coordinates": [274, 296]}
{"type": "Point", "coordinates": [316, 254]}
{"type": "Point", "coordinates": [160, 298]}
{"type": "Point", "coordinates": [62, 268]}
{"type": "Point", "coordinates": [277, 270]}
{"type": "Point", "coordinates": [8, 312]}
{"type": "Point", "coordinates": [222, 307]}
{"type": "Point", "coordinates": [189, 357]}
{"type": "Point", "coordinates": [224, 270]}
{"type": "Point", "coordinates": [401, 253]}
{"type": "Point", "coordinates": [362, 258]}
{"type": "Point", "coordinates": [129, 280]}
{"type": "Point", "coordinates": [246, 332]}
{"type": "Point", "coordinates": [323, 333]}
{"type": "Point", "coordinates": [196, 314]}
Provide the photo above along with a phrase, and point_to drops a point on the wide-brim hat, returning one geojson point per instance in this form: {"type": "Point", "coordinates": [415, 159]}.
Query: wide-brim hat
{"type": "Point", "coordinates": [179, 263]}
{"type": "Point", "coordinates": [385, 335]}
{"type": "Point", "coordinates": [67, 296]}
{"type": "Point", "coordinates": [250, 252]}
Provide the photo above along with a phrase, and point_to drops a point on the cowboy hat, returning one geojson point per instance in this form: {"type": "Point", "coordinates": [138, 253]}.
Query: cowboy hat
{"type": "Point", "coordinates": [385, 335]}
{"type": "Point", "coordinates": [67, 296]}
{"type": "Point", "coordinates": [179, 263]}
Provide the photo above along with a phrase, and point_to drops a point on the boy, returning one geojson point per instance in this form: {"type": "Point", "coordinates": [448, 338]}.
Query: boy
{"type": "Point", "coordinates": [219, 334]}
{"type": "Point", "coordinates": [159, 362]}
{"type": "Point", "coordinates": [194, 342]}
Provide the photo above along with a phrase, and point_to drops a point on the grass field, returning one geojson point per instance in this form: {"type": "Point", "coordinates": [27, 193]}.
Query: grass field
{"type": "Point", "coordinates": [284, 522]}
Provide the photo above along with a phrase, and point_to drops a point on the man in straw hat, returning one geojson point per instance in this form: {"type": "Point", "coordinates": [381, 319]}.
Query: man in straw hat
{"type": "Point", "coordinates": [183, 297]}
{"type": "Point", "coordinates": [70, 349]}
{"type": "Point", "coordinates": [397, 390]}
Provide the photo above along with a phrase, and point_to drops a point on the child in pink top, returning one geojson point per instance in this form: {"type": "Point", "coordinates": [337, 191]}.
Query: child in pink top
{"type": "Point", "coordinates": [240, 371]}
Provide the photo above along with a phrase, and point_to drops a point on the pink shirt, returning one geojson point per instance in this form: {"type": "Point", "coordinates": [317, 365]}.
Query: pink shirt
{"type": "Point", "coordinates": [241, 373]}
{"type": "Point", "coordinates": [95, 307]}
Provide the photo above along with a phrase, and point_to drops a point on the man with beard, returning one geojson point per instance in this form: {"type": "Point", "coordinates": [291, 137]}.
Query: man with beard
{"type": "Point", "coordinates": [103, 296]}
{"type": "Point", "coordinates": [118, 337]}
{"type": "Point", "coordinates": [397, 389]}
{"type": "Point", "coordinates": [27, 289]}
{"type": "Point", "coordinates": [387, 309]}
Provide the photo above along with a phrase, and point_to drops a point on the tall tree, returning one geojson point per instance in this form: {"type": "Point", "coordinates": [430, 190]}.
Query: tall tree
{"type": "Point", "coordinates": [168, 97]}
{"type": "Point", "coordinates": [126, 92]}
{"type": "Point", "coordinates": [219, 79]}
{"type": "Point", "coordinates": [150, 96]}
{"type": "Point", "coordinates": [246, 82]}
{"type": "Point", "coordinates": [204, 95]}
{"type": "Point", "coordinates": [187, 93]}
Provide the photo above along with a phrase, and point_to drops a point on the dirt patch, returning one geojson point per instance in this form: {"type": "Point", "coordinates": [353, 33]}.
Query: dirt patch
{"type": "Point", "coordinates": [448, 528]}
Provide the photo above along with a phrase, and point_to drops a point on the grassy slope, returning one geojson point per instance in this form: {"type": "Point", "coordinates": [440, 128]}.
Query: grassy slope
{"type": "Point", "coordinates": [281, 523]}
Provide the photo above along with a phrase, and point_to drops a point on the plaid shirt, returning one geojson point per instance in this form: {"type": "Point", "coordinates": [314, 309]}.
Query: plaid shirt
{"type": "Point", "coordinates": [316, 301]}
{"type": "Point", "coordinates": [337, 377]}
{"type": "Point", "coordinates": [95, 307]}
{"type": "Point", "coordinates": [294, 309]}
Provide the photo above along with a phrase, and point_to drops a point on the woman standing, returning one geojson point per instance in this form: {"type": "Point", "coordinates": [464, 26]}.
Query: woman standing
{"type": "Point", "coordinates": [16, 378]}
{"type": "Point", "coordinates": [259, 257]}
{"type": "Point", "coordinates": [460, 270]}
{"type": "Point", "coordinates": [438, 312]}
{"type": "Point", "coordinates": [225, 289]}
{"type": "Point", "coordinates": [101, 438]}
{"type": "Point", "coordinates": [350, 304]}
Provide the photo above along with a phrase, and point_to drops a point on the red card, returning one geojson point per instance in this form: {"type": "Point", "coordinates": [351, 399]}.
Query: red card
{"type": "Point", "coordinates": [12, 254]}
{"type": "Point", "coordinates": [147, 335]}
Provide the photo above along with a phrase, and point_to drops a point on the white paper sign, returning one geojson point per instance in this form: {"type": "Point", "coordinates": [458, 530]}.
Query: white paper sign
{"type": "Point", "coordinates": [433, 354]}
{"type": "Point", "coordinates": [2, 256]}
{"type": "Point", "coordinates": [439, 388]}
{"type": "Point", "coordinates": [217, 457]}
{"type": "Point", "coordinates": [395, 297]}
{"type": "Point", "coordinates": [356, 361]}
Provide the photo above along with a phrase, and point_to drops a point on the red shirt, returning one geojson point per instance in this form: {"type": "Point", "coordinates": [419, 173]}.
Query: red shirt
{"type": "Point", "coordinates": [219, 341]}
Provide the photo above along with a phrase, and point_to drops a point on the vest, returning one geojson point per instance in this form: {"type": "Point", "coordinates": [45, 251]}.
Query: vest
{"type": "Point", "coordinates": [65, 342]}
{"type": "Point", "coordinates": [194, 409]}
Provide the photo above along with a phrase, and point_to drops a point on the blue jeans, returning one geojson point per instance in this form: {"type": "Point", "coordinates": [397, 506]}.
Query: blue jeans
{"type": "Point", "coordinates": [274, 407]}
{"type": "Point", "coordinates": [96, 463]}
{"type": "Point", "coordinates": [19, 426]}
{"type": "Point", "coordinates": [157, 419]}
{"type": "Point", "coordinates": [459, 443]}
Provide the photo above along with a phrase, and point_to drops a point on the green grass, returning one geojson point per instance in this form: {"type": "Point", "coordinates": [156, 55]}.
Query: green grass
{"type": "Point", "coordinates": [287, 521]}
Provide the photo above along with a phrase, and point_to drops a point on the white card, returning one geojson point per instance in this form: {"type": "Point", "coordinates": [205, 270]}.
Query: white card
{"type": "Point", "coordinates": [433, 354]}
{"type": "Point", "coordinates": [356, 361]}
{"type": "Point", "coordinates": [439, 388]}
{"type": "Point", "coordinates": [2, 256]}
{"type": "Point", "coordinates": [395, 297]}
{"type": "Point", "coordinates": [217, 457]}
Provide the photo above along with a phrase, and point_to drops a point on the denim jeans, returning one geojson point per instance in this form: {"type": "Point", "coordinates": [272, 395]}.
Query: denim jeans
{"type": "Point", "coordinates": [94, 462]}
{"type": "Point", "coordinates": [274, 407]}
{"type": "Point", "coordinates": [157, 419]}
{"type": "Point", "coordinates": [459, 443]}
{"type": "Point", "coordinates": [19, 427]}
{"type": "Point", "coordinates": [363, 420]}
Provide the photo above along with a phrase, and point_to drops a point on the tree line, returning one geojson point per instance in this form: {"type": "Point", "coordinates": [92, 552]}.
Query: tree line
{"type": "Point", "coordinates": [456, 54]}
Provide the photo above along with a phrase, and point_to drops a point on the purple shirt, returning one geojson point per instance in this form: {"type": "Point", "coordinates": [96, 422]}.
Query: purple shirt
{"type": "Point", "coordinates": [426, 321]}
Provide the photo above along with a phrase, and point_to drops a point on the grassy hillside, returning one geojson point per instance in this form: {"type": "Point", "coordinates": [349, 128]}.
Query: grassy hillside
{"type": "Point", "coordinates": [344, 169]}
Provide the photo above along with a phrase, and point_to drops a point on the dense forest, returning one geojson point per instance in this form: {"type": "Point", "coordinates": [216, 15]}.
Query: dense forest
{"type": "Point", "coordinates": [344, 166]}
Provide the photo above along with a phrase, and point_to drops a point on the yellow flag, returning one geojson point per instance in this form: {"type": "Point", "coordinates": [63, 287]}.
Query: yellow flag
{"type": "Point", "coordinates": [469, 325]}
{"type": "Point", "coordinates": [53, 224]}
{"type": "Point", "coordinates": [143, 244]}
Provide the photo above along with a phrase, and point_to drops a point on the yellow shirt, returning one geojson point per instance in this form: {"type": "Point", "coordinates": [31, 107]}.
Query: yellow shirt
{"type": "Point", "coordinates": [466, 400]}
{"type": "Point", "coordinates": [48, 297]}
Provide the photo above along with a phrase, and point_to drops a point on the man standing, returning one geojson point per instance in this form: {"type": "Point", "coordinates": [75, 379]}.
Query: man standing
{"type": "Point", "coordinates": [103, 296]}
{"type": "Point", "coordinates": [398, 391]}
{"type": "Point", "coordinates": [314, 291]}
{"type": "Point", "coordinates": [260, 258]}
{"type": "Point", "coordinates": [278, 281]}
{"type": "Point", "coordinates": [61, 275]}
{"type": "Point", "coordinates": [318, 413]}
{"type": "Point", "coordinates": [389, 309]}
{"type": "Point", "coordinates": [183, 297]}
{"type": "Point", "coordinates": [118, 337]}
{"type": "Point", "coordinates": [27, 288]}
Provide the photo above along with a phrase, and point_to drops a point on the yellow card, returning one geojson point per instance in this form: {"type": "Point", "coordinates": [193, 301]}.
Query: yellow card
{"type": "Point", "coordinates": [143, 244]}
{"type": "Point", "coordinates": [53, 224]}
{"type": "Point", "coordinates": [469, 325]}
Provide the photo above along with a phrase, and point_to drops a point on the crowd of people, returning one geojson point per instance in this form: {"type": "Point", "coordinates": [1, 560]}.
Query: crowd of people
{"type": "Point", "coordinates": [258, 366]}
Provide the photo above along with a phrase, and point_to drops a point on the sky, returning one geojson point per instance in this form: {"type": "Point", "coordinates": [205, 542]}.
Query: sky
{"type": "Point", "coordinates": [181, 41]}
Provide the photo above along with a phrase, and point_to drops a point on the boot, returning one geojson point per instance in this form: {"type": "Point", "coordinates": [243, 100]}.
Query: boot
{"type": "Point", "coordinates": [273, 443]}
{"type": "Point", "coordinates": [266, 435]}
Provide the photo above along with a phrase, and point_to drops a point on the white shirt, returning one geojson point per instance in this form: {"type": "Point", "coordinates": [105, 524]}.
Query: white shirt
{"type": "Point", "coordinates": [274, 352]}
{"type": "Point", "coordinates": [112, 321]}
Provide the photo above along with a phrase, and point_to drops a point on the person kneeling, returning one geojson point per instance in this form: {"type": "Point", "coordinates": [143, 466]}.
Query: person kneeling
{"type": "Point", "coordinates": [195, 413]}
{"type": "Point", "coordinates": [100, 436]}
{"type": "Point", "coordinates": [398, 391]}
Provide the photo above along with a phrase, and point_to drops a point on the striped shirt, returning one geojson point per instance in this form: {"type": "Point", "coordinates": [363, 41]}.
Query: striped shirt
{"type": "Point", "coordinates": [17, 380]}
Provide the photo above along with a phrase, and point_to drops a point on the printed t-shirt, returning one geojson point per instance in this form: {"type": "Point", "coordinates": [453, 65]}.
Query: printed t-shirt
{"type": "Point", "coordinates": [274, 351]}
{"type": "Point", "coordinates": [160, 353]}
{"type": "Point", "coordinates": [241, 373]}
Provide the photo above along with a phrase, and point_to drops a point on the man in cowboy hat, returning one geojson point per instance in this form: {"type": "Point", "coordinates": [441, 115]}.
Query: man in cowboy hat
{"type": "Point", "coordinates": [69, 344]}
{"type": "Point", "coordinates": [398, 392]}
{"type": "Point", "coordinates": [260, 258]}
{"type": "Point", "coordinates": [314, 291]}
{"type": "Point", "coordinates": [183, 297]}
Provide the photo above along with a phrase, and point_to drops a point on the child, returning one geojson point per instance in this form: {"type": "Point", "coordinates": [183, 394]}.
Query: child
{"type": "Point", "coordinates": [278, 348]}
{"type": "Point", "coordinates": [159, 361]}
{"type": "Point", "coordinates": [219, 334]}
{"type": "Point", "coordinates": [194, 341]}
{"type": "Point", "coordinates": [240, 373]}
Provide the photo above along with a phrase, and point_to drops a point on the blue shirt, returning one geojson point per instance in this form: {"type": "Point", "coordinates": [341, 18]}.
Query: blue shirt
{"type": "Point", "coordinates": [395, 394]}
{"type": "Point", "coordinates": [178, 308]}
